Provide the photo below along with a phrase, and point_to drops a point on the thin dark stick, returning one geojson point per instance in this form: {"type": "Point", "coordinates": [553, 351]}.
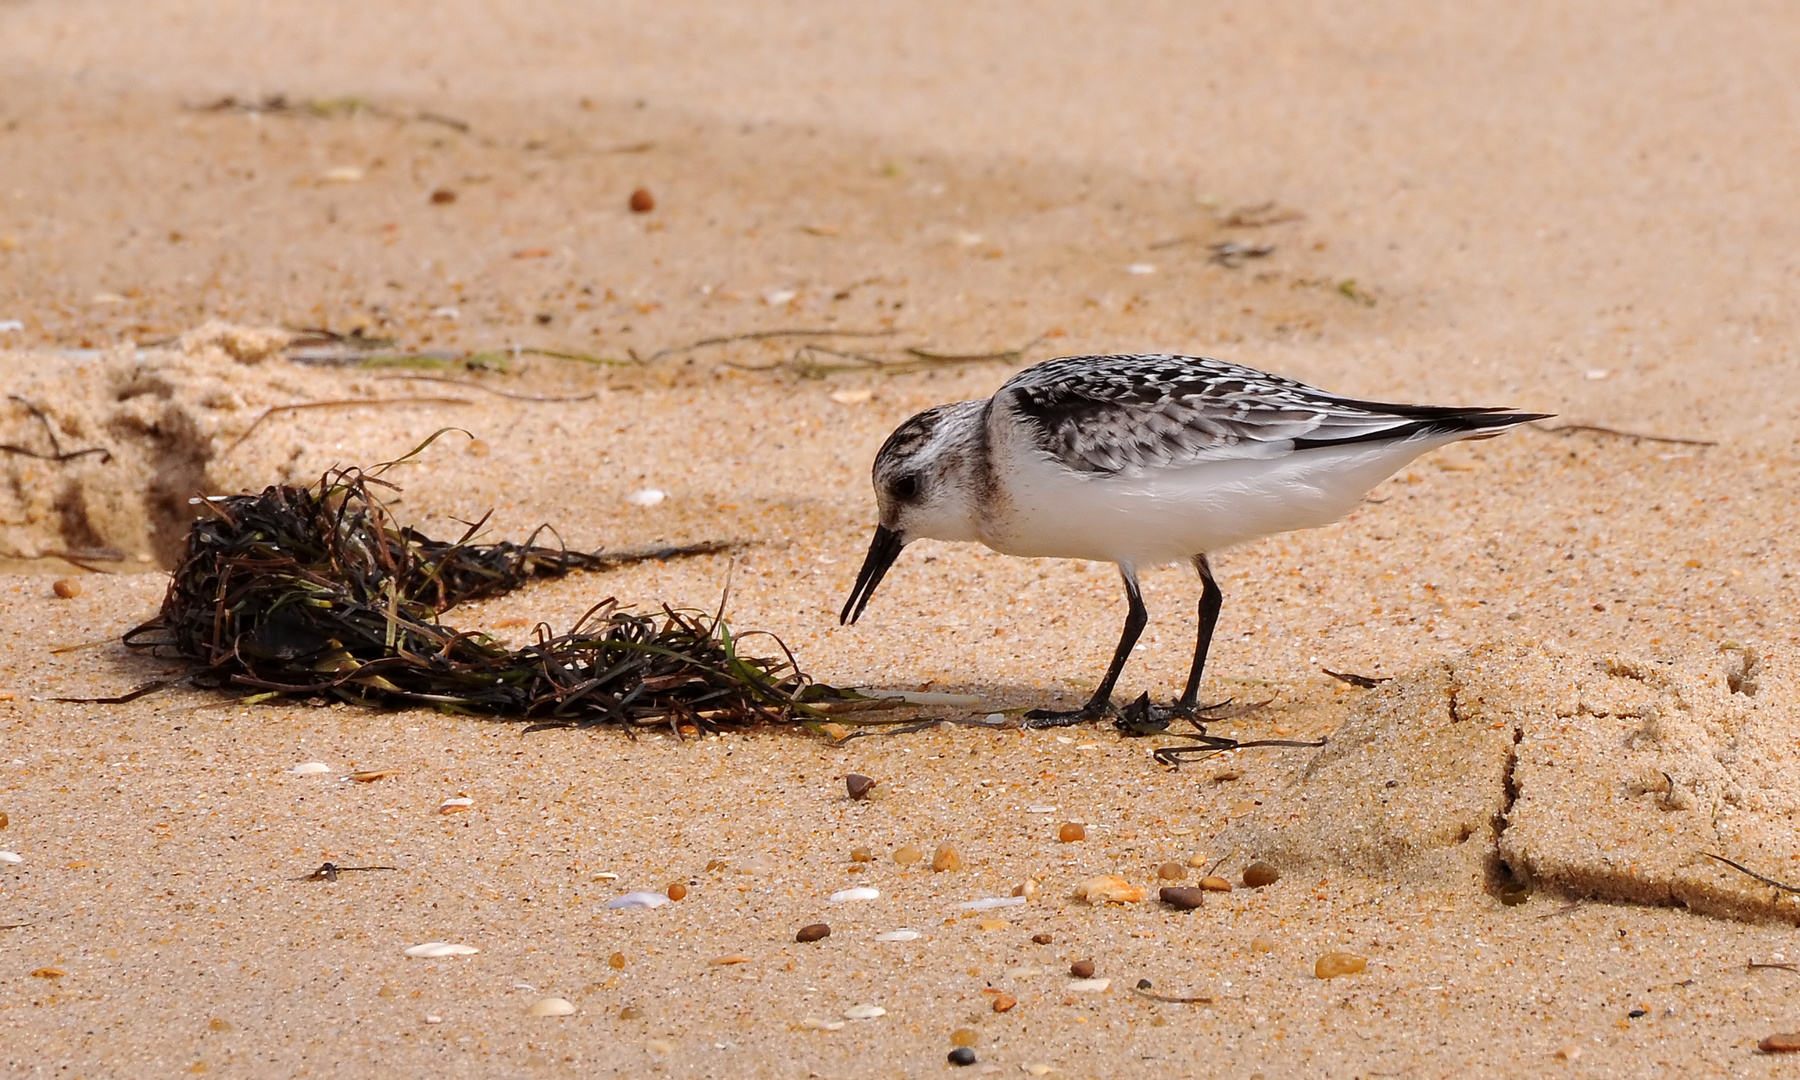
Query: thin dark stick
{"type": "Point", "coordinates": [1741, 868]}
{"type": "Point", "coordinates": [123, 699]}
{"type": "Point", "coordinates": [971, 358]}
{"type": "Point", "coordinates": [549, 398]}
{"type": "Point", "coordinates": [1170, 998]}
{"type": "Point", "coordinates": [761, 335]}
{"type": "Point", "coordinates": [330, 871]}
{"type": "Point", "coordinates": [1364, 682]}
{"type": "Point", "coordinates": [254, 424]}
{"type": "Point", "coordinates": [1213, 744]}
{"type": "Point", "coordinates": [56, 451]}
{"type": "Point", "coordinates": [1754, 966]}
{"type": "Point", "coordinates": [1596, 429]}
{"type": "Point", "coordinates": [898, 729]}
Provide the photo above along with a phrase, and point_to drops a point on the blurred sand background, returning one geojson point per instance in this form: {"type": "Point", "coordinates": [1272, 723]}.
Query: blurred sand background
{"type": "Point", "coordinates": [1583, 211]}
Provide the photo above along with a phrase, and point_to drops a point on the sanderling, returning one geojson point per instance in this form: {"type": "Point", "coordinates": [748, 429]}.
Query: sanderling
{"type": "Point", "coordinates": [1142, 460]}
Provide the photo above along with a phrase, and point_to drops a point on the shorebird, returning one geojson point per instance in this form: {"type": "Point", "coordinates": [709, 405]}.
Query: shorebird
{"type": "Point", "coordinates": [1141, 460]}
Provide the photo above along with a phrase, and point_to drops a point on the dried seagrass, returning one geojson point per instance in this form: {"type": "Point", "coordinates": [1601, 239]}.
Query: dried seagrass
{"type": "Point", "coordinates": [317, 592]}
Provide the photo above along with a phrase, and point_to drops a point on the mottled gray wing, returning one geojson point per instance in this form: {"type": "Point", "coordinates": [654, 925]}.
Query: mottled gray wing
{"type": "Point", "coordinates": [1111, 414]}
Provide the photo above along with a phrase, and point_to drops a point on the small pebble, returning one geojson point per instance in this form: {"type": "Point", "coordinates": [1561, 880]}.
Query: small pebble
{"type": "Point", "coordinates": [859, 785]}
{"type": "Point", "coordinates": [822, 1023]}
{"type": "Point", "coordinates": [946, 858]}
{"type": "Point", "coordinates": [964, 1037]}
{"type": "Point", "coordinates": [478, 448]}
{"type": "Point", "coordinates": [442, 196]}
{"type": "Point", "coordinates": [67, 588]}
{"type": "Point", "coordinates": [861, 892]}
{"type": "Point", "coordinates": [1215, 883]}
{"type": "Point", "coordinates": [658, 1046]}
{"type": "Point", "coordinates": [637, 901]}
{"type": "Point", "coordinates": [813, 932]}
{"type": "Point", "coordinates": [962, 1055]}
{"type": "Point", "coordinates": [456, 804]}
{"type": "Point", "coordinates": [631, 1012]}
{"type": "Point", "coordinates": [1082, 969]}
{"type": "Point", "coordinates": [1333, 964]}
{"type": "Point", "coordinates": [433, 1018]}
{"type": "Point", "coordinates": [641, 201]}
{"type": "Point", "coordinates": [898, 935]}
{"type": "Point", "coordinates": [1262, 944]}
{"type": "Point", "coordinates": [907, 854]}
{"type": "Point", "coordinates": [1004, 1002]}
{"type": "Point", "coordinates": [48, 973]}
{"type": "Point", "coordinates": [1197, 860]}
{"type": "Point", "coordinates": [864, 1012]}
{"type": "Point", "coordinates": [993, 924]}
{"type": "Point", "coordinates": [309, 768]}
{"type": "Point", "coordinates": [219, 1023]}
{"type": "Point", "coordinates": [552, 1006]}
{"type": "Point", "coordinates": [1145, 984]}
{"type": "Point", "coordinates": [1071, 831]}
{"type": "Point", "coordinates": [1028, 889]}
{"type": "Point", "coordinates": [1785, 1043]}
{"type": "Point", "coordinates": [432, 950]}
{"type": "Point", "coordinates": [616, 961]}
{"type": "Point", "coordinates": [1171, 871]}
{"type": "Point", "coordinates": [1042, 939]}
{"type": "Point", "coordinates": [861, 854]}
{"type": "Point", "coordinates": [4, 820]}
{"type": "Point", "coordinates": [1109, 889]}
{"type": "Point", "coordinates": [1181, 897]}
{"type": "Point", "coordinates": [1259, 874]}
{"type": "Point", "coordinates": [677, 891]}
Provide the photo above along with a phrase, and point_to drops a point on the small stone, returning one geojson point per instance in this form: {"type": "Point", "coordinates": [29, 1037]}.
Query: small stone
{"type": "Point", "coordinates": [1333, 964]}
{"type": "Point", "coordinates": [630, 1012]}
{"type": "Point", "coordinates": [1171, 871]}
{"type": "Point", "coordinates": [433, 1018]}
{"type": "Point", "coordinates": [219, 1023]}
{"type": "Point", "coordinates": [677, 891]}
{"type": "Point", "coordinates": [907, 854]}
{"type": "Point", "coordinates": [864, 1012]}
{"type": "Point", "coordinates": [946, 858]}
{"type": "Point", "coordinates": [861, 855]}
{"type": "Point", "coordinates": [1197, 859]}
{"type": "Point", "coordinates": [861, 892]}
{"type": "Point", "coordinates": [1004, 1002]}
{"type": "Point", "coordinates": [1215, 883]}
{"type": "Point", "coordinates": [964, 1037]}
{"type": "Point", "coordinates": [642, 202]}
{"type": "Point", "coordinates": [478, 448]}
{"type": "Point", "coordinates": [993, 924]}
{"type": "Point", "coordinates": [1259, 874]}
{"type": "Point", "coordinates": [813, 932]}
{"type": "Point", "coordinates": [67, 588]}
{"type": "Point", "coordinates": [1109, 889]}
{"type": "Point", "coordinates": [1029, 889]}
{"type": "Point", "coordinates": [1082, 969]}
{"type": "Point", "coordinates": [4, 820]}
{"type": "Point", "coordinates": [658, 1046]}
{"type": "Point", "coordinates": [433, 950]}
{"type": "Point", "coordinates": [1071, 831]}
{"type": "Point", "coordinates": [859, 785]}
{"type": "Point", "coordinates": [442, 196]}
{"type": "Point", "coordinates": [962, 1055]}
{"type": "Point", "coordinates": [1042, 939]}
{"type": "Point", "coordinates": [48, 973]}
{"type": "Point", "coordinates": [552, 1006]}
{"type": "Point", "coordinates": [616, 961]}
{"type": "Point", "coordinates": [1262, 945]}
{"type": "Point", "coordinates": [1785, 1043]}
{"type": "Point", "coordinates": [1181, 897]}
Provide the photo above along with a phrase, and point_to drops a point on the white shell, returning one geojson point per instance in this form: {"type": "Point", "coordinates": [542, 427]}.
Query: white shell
{"type": "Point", "coordinates": [633, 901]}
{"type": "Point", "coordinates": [1040, 809]}
{"type": "Point", "coordinates": [11, 856]}
{"type": "Point", "coordinates": [822, 1023]}
{"type": "Point", "coordinates": [861, 892]}
{"type": "Point", "coordinates": [646, 497]}
{"type": "Point", "coordinates": [1088, 986]}
{"type": "Point", "coordinates": [864, 1012]}
{"type": "Point", "coordinates": [988, 903]}
{"type": "Point", "coordinates": [432, 950]}
{"type": "Point", "coordinates": [310, 768]}
{"type": "Point", "coordinates": [454, 804]}
{"type": "Point", "coordinates": [899, 935]}
{"type": "Point", "coordinates": [552, 1006]}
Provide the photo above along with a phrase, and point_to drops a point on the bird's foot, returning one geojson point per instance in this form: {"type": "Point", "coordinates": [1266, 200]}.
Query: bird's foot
{"type": "Point", "coordinates": [1052, 718]}
{"type": "Point", "coordinates": [1142, 718]}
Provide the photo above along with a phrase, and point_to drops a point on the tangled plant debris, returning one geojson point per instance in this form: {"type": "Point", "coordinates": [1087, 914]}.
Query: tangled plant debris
{"type": "Point", "coordinates": [317, 592]}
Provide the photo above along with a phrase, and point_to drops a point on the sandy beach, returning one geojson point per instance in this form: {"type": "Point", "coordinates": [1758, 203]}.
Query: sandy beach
{"type": "Point", "coordinates": [1583, 636]}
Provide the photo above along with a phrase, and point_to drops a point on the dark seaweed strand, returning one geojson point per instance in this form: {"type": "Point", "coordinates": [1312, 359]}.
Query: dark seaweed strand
{"type": "Point", "coordinates": [315, 591]}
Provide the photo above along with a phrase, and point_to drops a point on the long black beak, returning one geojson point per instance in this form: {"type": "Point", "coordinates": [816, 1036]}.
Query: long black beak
{"type": "Point", "coordinates": [883, 550]}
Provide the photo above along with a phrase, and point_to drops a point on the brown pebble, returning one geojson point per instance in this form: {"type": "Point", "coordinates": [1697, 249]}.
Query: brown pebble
{"type": "Point", "coordinates": [861, 854]}
{"type": "Point", "coordinates": [1004, 1002]}
{"type": "Point", "coordinates": [1333, 964]}
{"type": "Point", "coordinates": [813, 932]}
{"type": "Point", "coordinates": [67, 588]}
{"type": "Point", "coordinates": [616, 961]}
{"type": "Point", "coordinates": [946, 858]}
{"type": "Point", "coordinates": [1082, 969]}
{"type": "Point", "coordinates": [964, 1037]}
{"type": "Point", "coordinates": [1785, 1043]}
{"type": "Point", "coordinates": [1197, 860]}
{"type": "Point", "coordinates": [677, 891]}
{"type": "Point", "coordinates": [1171, 871]}
{"type": "Point", "coordinates": [1262, 944]}
{"type": "Point", "coordinates": [1181, 897]}
{"type": "Point", "coordinates": [1071, 831]}
{"type": "Point", "coordinates": [219, 1023]}
{"type": "Point", "coordinates": [478, 448]}
{"type": "Point", "coordinates": [48, 973]}
{"type": "Point", "coordinates": [642, 202]}
{"type": "Point", "coordinates": [1258, 874]}
{"type": "Point", "coordinates": [907, 854]}
{"type": "Point", "coordinates": [1042, 939]}
{"type": "Point", "coordinates": [859, 785]}
{"type": "Point", "coordinates": [1215, 883]}
{"type": "Point", "coordinates": [4, 820]}
{"type": "Point", "coordinates": [631, 1012]}
{"type": "Point", "coordinates": [443, 196]}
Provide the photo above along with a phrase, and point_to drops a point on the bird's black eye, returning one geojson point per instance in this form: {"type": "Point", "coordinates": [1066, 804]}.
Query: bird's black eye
{"type": "Point", "coordinates": [905, 487]}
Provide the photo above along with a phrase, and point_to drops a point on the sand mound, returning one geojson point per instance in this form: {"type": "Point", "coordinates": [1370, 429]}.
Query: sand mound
{"type": "Point", "coordinates": [1604, 776]}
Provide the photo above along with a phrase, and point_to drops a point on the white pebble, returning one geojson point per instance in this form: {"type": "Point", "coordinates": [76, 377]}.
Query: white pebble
{"type": "Point", "coordinates": [310, 768]}
{"type": "Point", "coordinates": [861, 892]}
{"type": "Point", "coordinates": [822, 1023]}
{"type": "Point", "coordinates": [11, 856]}
{"type": "Point", "coordinates": [646, 497]}
{"type": "Point", "coordinates": [1040, 808]}
{"type": "Point", "coordinates": [635, 901]}
{"type": "Point", "coordinates": [1025, 973]}
{"type": "Point", "coordinates": [433, 1018]}
{"type": "Point", "coordinates": [445, 313]}
{"type": "Point", "coordinates": [455, 804]}
{"type": "Point", "coordinates": [898, 935]}
{"type": "Point", "coordinates": [1141, 269]}
{"type": "Point", "coordinates": [432, 950]}
{"type": "Point", "coordinates": [552, 1006]}
{"type": "Point", "coordinates": [10, 324]}
{"type": "Point", "coordinates": [864, 1012]}
{"type": "Point", "coordinates": [1088, 986]}
{"type": "Point", "coordinates": [778, 297]}
{"type": "Point", "coordinates": [989, 903]}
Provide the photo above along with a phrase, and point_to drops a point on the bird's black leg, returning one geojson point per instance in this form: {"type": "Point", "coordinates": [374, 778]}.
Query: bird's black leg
{"type": "Point", "coordinates": [1211, 601]}
{"type": "Point", "coordinates": [1101, 703]}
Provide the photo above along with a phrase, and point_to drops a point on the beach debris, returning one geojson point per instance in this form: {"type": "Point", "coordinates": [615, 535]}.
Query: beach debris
{"type": "Point", "coordinates": [1088, 986]}
{"type": "Point", "coordinates": [1197, 860]}
{"type": "Point", "coordinates": [1171, 871]}
{"type": "Point", "coordinates": [1232, 253]}
{"type": "Point", "coordinates": [330, 871]}
{"type": "Point", "coordinates": [861, 855]}
{"type": "Point", "coordinates": [455, 804]}
{"type": "Point", "coordinates": [899, 935]}
{"type": "Point", "coordinates": [676, 891]}
{"type": "Point", "coordinates": [1361, 682]}
{"type": "Point", "coordinates": [821, 1023]}
{"type": "Point", "coordinates": [641, 201]}
{"type": "Point", "coordinates": [48, 973]}
{"type": "Point", "coordinates": [1028, 889]}
{"type": "Point", "coordinates": [1004, 1002]}
{"type": "Point", "coordinates": [636, 901]}
{"type": "Point", "coordinates": [1037, 1068]}
{"type": "Point", "coordinates": [907, 854]}
{"type": "Point", "coordinates": [864, 1012]}
{"type": "Point", "coordinates": [369, 776]}
{"type": "Point", "coordinates": [1143, 990]}
{"type": "Point", "coordinates": [4, 820]}
{"type": "Point", "coordinates": [11, 325]}
{"type": "Point", "coordinates": [1042, 939]}
{"type": "Point", "coordinates": [1181, 898]}
{"type": "Point", "coordinates": [989, 903]}
{"type": "Point", "coordinates": [647, 497]}
{"type": "Point", "coordinates": [964, 1037]}
{"type": "Point", "coordinates": [962, 1055]}
{"type": "Point", "coordinates": [1040, 808]}
{"type": "Point", "coordinates": [851, 397]}
{"type": "Point", "coordinates": [861, 892]}
{"type": "Point", "coordinates": [1071, 832]}
{"type": "Point", "coordinates": [1141, 269]}
{"type": "Point", "coordinates": [616, 961]}
{"type": "Point", "coordinates": [1784, 1043]}
{"type": "Point", "coordinates": [858, 786]}
{"type": "Point", "coordinates": [434, 950]}
{"type": "Point", "coordinates": [946, 857]}
{"type": "Point", "coordinates": [1082, 969]}
{"type": "Point", "coordinates": [631, 1012]}
{"type": "Point", "coordinates": [1333, 964]}
{"type": "Point", "coordinates": [1108, 889]}
{"type": "Point", "coordinates": [812, 932]}
{"type": "Point", "coordinates": [552, 1006]}
{"type": "Point", "coordinates": [1215, 883]}
{"type": "Point", "coordinates": [729, 960]}
{"type": "Point", "coordinates": [318, 592]}
{"type": "Point", "coordinates": [1260, 944]}
{"type": "Point", "coordinates": [1259, 215]}
{"type": "Point", "coordinates": [11, 857]}
{"type": "Point", "coordinates": [310, 768]}
{"type": "Point", "coordinates": [67, 588]}
{"type": "Point", "coordinates": [1259, 874]}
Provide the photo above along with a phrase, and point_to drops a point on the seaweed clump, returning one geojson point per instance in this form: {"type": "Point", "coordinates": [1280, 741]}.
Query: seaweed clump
{"type": "Point", "coordinates": [317, 592]}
